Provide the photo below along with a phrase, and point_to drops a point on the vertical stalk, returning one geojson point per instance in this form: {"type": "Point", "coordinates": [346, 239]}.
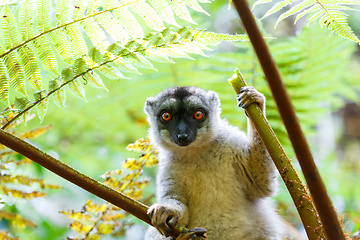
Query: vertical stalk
{"type": "Point", "coordinates": [325, 208]}
{"type": "Point", "coordinates": [297, 190]}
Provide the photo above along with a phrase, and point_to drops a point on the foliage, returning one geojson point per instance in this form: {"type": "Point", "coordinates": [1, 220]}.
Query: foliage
{"type": "Point", "coordinates": [315, 66]}
{"type": "Point", "coordinates": [18, 185]}
{"type": "Point", "coordinates": [329, 12]}
{"type": "Point", "coordinates": [96, 220]}
{"type": "Point", "coordinates": [120, 44]}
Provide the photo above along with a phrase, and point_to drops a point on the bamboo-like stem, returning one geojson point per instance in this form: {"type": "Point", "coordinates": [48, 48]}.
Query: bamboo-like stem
{"type": "Point", "coordinates": [324, 206]}
{"type": "Point", "coordinates": [91, 185]}
{"type": "Point", "coordinates": [297, 190]}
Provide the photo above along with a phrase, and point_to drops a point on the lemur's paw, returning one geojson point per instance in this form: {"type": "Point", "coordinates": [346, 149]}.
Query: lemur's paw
{"type": "Point", "coordinates": [163, 218]}
{"type": "Point", "coordinates": [192, 234]}
{"type": "Point", "coordinates": [250, 95]}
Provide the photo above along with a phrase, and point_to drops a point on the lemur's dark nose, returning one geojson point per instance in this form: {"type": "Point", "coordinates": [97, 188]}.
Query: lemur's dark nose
{"type": "Point", "coordinates": [182, 137]}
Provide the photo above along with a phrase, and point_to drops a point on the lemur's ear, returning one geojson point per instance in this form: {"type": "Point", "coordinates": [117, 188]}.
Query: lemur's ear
{"type": "Point", "coordinates": [149, 103]}
{"type": "Point", "coordinates": [214, 98]}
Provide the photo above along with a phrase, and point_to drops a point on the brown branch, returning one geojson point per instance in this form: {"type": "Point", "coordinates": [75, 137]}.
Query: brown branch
{"type": "Point", "coordinates": [316, 186]}
{"type": "Point", "coordinates": [97, 188]}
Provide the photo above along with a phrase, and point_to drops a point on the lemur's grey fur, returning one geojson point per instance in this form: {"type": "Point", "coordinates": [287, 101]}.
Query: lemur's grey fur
{"type": "Point", "coordinates": [217, 178]}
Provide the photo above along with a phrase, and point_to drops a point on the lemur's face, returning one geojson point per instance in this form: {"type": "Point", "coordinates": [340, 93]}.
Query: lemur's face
{"type": "Point", "coordinates": [180, 115]}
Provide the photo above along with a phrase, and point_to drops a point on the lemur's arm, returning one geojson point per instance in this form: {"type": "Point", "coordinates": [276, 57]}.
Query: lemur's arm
{"type": "Point", "coordinates": [260, 168]}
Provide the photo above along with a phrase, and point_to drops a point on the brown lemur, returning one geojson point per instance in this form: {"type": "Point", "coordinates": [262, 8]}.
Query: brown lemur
{"type": "Point", "coordinates": [210, 174]}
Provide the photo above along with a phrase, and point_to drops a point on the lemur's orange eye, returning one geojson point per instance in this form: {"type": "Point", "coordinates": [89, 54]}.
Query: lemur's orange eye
{"type": "Point", "coordinates": [166, 116]}
{"type": "Point", "coordinates": [198, 115]}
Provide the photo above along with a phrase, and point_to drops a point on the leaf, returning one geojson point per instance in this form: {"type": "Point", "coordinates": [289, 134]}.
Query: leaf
{"type": "Point", "coordinates": [96, 34]}
{"type": "Point", "coordinates": [31, 67]}
{"type": "Point", "coordinates": [14, 71]}
{"type": "Point", "coordinates": [62, 45]}
{"type": "Point", "coordinates": [4, 84]}
{"type": "Point", "coordinates": [129, 22]}
{"type": "Point", "coordinates": [330, 13]}
{"type": "Point", "coordinates": [150, 16]}
{"type": "Point", "coordinates": [113, 27]}
{"type": "Point", "coordinates": [165, 12]}
{"type": "Point", "coordinates": [94, 80]}
{"type": "Point", "coordinates": [76, 40]}
{"type": "Point", "coordinates": [76, 89]}
{"type": "Point", "coordinates": [62, 12]}
{"type": "Point", "coordinates": [195, 5]}
{"type": "Point", "coordinates": [26, 20]}
{"type": "Point", "coordinates": [42, 106]}
{"type": "Point", "coordinates": [46, 55]}
{"type": "Point", "coordinates": [180, 10]}
{"type": "Point", "coordinates": [9, 27]}
{"type": "Point", "coordinates": [59, 95]}
{"type": "Point", "coordinates": [43, 15]}
{"type": "Point", "coordinates": [139, 61]}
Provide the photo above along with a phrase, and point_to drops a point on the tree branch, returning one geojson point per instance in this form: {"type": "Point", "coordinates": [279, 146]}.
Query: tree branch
{"type": "Point", "coordinates": [97, 188]}
{"type": "Point", "coordinates": [316, 186]}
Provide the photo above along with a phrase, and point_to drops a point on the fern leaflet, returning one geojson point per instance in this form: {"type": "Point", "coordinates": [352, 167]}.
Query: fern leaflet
{"type": "Point", "coordinates": [329, 12]}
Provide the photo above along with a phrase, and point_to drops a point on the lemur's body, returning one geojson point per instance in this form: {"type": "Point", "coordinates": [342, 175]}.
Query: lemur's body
{"type": "Point", "coordinates": [216, 177]}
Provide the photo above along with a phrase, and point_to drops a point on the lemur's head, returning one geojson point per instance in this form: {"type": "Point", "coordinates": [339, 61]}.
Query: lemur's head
{"type": "Point", "coordinates": [184, 116]}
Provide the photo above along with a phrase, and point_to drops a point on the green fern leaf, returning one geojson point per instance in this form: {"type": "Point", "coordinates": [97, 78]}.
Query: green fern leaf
{"type": "Point", "coordinates": [329, 12]}
{"type": "Point", "coordinates": [96, 34]}
{"type": "Point", "coordinates": [129, 22]}
{"type": "Point", "coordinates": [211, 38]}
{"type": "Point", "coordinates": [94, 80]}
{"type": "Point", "coordinates": [26, 20]}
{"type": "Point", "coordinates": [156, 56]}
{"type": "Point", "coordinates": [113, 27]}
{"type": "Point", "coordinates": [277, 7]}
{"type": "Point", "coordinates": [43, 15]}
{"type": "Point", "coordinates": [125, 66]}
{"type": "Point", "coordinates": [46, 55]}
{"type": "Point", "coordinates": [150, 16]}
{"type": "Point", "coordinates": [196, 6]}
{"type": "Point", "coordinates": [337, 22]}
{"type": "Point", "coordinates": [31, 67]}
{"type": "Point", "coordinates": [79, 9]}
{"type": "Point", "coordinates": [93, 6]}
{"type": "Point", "coordinates": [21, 103]}
{"type": "Point", "coordinates": [111, 72]}
{"type": "Point", "coordinates": [15, 71]}
{"type": "Point", "coordinates": [303, 5]}
{"type": "Point", "coordinates": [62, 45]}
{"type": "Point", "coordinates": [76, 89]}
{"type": "Point", "coordinates": [4, 84]}
{"type": "Point", "coordinates": [140, 61]}
{"type": "Point", "coordinates": [59, 95]}
{"type": "Point", "coordinates": [42, 106]}
{"type": "Point", "coordinates": [9, 27]}
{"type": "Point", "coordinates": [174, 52]}
{"type": "Point", "coordinates": [76, 40]}
{"type": "Point", "coordinates": [180, 9]}
{"type": "Point", "coordinates": [165, 12]}
{"type": "Point", "coordinates": [62, 12]}
{"type": "Point", "coordinates": [260, 2]}
{"type": "Point", "coordinates": [27, 56]}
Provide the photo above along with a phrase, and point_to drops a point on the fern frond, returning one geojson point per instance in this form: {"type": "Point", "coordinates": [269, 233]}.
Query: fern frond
{"type": "Point", "coordinates": [4, 84]}
{"type": "Point", "coordinates": [150, 16]}
{"type": "Point", "coordinates": [165, 12]}
{"type": "Point", "coordinates": [330, 13]}
{"type": "Point", "coordinates": [15, 71]}
{"type": "Point", "coordinates": [180, 9]}
{"type": "Point", "coordinates": [34, 42]}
